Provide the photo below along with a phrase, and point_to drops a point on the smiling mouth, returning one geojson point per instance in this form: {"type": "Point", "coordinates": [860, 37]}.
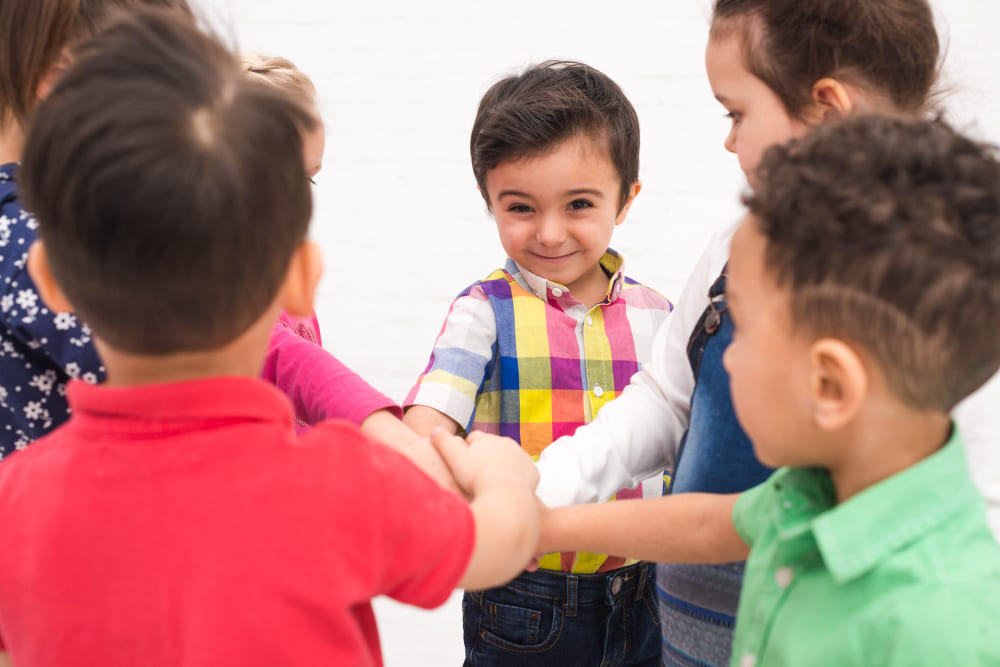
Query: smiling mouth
{"type": "Point", "coordinates": [553, 259]}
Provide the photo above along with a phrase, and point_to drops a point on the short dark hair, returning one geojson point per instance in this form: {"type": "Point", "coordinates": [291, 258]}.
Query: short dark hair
{"type": "Point", "coordinates": [527, 114]}
{"type": "Point", "coordinates": [169, 187]}
{"type": "Point", "coordinates": [887, 47]}
{"type": "Point", "coordinates": [34, 32]}
{"type": "Point", "coordinates": [887, 233]}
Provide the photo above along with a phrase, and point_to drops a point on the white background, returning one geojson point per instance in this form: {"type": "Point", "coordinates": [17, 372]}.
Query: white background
{"type": "Point", "coordinates": [397, 212]}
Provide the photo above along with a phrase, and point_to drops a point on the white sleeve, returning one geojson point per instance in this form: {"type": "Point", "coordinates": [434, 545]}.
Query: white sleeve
{"type": "Point", "coordinates": [978, 419]}
{"type": "Point", "coordinates": [636, 435]}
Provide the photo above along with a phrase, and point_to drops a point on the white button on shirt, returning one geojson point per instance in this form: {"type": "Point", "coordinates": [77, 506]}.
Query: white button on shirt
{"type": "Point", "coordinates": [557, 292]}
{"type": "Point", "coordinates": [598, 392]}
{"type": "Point", "coordinates": [783, 576]}
{"type": "Point", "coordinates": [748, 660]}
{"type": "Point", "coordinates": [590, 321]}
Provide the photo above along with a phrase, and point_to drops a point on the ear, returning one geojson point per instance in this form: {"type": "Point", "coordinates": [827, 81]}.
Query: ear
{"type": "Point", "coordinates": [298, 292]}
{"type": "Point", "coordinates": [55, 72]}
{"type": "Point", "coordinates": [838, 383]}
{"type": "Point", "coordinates": [831, 99]}
{"type": "Point", "coordinates": [45, 282]}
{"type": "Point", "coordinates": [632, 192]}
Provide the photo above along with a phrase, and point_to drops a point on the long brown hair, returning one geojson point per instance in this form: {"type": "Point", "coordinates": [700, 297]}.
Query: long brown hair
{"type": "Point", "coordinates": [33, 34]}
{"type": "Point", "coordinates": [890, 48]}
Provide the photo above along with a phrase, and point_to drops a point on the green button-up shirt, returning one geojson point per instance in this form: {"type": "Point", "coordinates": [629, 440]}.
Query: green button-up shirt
{"type": "Point", "coordinates": [904, 573]}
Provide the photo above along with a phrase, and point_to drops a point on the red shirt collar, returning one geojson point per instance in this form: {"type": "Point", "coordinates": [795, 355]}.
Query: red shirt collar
{"type": "Point", "coordinates": [177, 406]}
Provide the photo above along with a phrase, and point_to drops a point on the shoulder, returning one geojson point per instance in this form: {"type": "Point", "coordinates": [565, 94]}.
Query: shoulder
{"type": "Point", "coordinates": [638, 294]}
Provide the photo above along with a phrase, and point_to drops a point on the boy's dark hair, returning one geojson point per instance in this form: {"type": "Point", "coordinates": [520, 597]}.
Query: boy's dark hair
{"type": "Point", "coordinates": [169, 187]}
{"type": "Point", "coordinates": [887, 47]}
{"type": "Point", "coordinates": [33, 34]}
{"type": "Point", "coordinates": [526, 115]}
{"type": "Point", "coordinates": [886, 231]}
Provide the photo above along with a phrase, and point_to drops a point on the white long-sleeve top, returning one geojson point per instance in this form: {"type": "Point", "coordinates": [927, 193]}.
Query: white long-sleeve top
{"type": "Point", "coordinates": [637, 435]}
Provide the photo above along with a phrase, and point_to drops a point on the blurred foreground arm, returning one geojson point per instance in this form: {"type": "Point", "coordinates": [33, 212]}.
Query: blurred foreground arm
{"type": "Point", "coordinates": [500, 479]}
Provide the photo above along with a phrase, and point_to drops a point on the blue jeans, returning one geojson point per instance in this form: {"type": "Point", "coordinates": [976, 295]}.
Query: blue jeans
{"type": "Point", "coordinates": [565, 620]}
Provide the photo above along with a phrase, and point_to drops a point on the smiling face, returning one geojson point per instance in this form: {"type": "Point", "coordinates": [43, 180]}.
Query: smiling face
{"type": "Point", "coordinates": [767, 360]}
{"type": "Point", "coordinates": [758, 117]}
{"type": "Point", "coordinates": [556, 213]}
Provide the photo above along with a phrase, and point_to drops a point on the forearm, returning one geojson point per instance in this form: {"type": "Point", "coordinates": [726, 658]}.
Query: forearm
{"type": "Point", "coordinates": [506, 513]}
{"type": "Point", "coordinates": [385, 427]}
{"type": "Point", "coordinates": [423, 420]}
{"type": "Point", "coordinates": [319, 385]}
{"type": "Point", "coordinates": [683, 528]}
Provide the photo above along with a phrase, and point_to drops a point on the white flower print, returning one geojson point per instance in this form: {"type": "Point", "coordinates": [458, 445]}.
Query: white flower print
{"type": "Point", "coordinates": [90, 378]}
{"type": "Point", "coordinates": [44, 382]}
{"type": "Point", "coordinates": [34, 410]}
{"type": "Point", "coordinates": [72, 369]}
{"type": "Point", "coordinates": [27, 299]}
{"type": "Point", "coordinates": [7, 302]}
{"type": "Point", "coordinates": [64, 321]}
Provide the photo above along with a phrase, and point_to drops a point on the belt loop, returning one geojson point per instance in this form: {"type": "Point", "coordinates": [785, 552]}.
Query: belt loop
{"type": "Point", "coordinates": [572, 582]}
{"type": "Point", "coordinates": [644, 569]}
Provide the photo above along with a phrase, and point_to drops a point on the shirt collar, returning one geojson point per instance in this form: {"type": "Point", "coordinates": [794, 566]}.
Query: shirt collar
{"type": "Point", "coordinates": [176, 406]}
{"type": "Point", "coordinates": [612, 263]}
{"type": "Point", "coordinates": [858, 534]}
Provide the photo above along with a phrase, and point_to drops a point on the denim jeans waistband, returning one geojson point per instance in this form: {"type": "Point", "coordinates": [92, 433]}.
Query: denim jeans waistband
{"type": "Point", "coordinates": [610, 586]}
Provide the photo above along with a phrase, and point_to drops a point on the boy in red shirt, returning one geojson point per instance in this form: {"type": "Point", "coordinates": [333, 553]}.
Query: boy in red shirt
{"type": "Point", "coordinates": [176, 519]}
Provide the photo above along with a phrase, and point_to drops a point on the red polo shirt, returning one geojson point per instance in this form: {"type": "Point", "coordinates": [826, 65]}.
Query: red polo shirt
{"type": "Point", "coordinates": [186, 524]}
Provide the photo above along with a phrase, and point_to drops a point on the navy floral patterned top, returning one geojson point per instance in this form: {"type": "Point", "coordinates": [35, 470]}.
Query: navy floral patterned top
{"type": "Point", "coordinates": [40, 351]}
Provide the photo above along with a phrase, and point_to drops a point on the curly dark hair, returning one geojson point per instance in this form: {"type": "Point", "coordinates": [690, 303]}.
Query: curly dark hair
{"type": "Point", "coordinates": [887, 233]}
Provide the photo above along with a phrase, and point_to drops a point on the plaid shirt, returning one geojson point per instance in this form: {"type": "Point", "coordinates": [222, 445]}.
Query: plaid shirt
{"type": "Point", "coordinates": [519, 356]}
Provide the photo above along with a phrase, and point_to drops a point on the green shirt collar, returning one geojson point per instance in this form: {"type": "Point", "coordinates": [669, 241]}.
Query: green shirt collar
{"type": "Point", "coordinates": [857, 535]}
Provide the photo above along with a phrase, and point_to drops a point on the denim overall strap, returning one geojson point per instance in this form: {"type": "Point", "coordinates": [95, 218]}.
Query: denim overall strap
{"type": "Point", "coordinates": [698, 602]}
{"type": "Point", "coordinates": [708, 323]}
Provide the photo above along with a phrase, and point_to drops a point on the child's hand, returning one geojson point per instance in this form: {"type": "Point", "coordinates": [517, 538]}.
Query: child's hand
{"type": "Point", "coordinates": [493, 455]}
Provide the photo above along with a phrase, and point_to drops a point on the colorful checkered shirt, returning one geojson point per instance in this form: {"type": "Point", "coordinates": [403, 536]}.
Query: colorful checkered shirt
{"type": "Point", "coordinates": [519, 356]}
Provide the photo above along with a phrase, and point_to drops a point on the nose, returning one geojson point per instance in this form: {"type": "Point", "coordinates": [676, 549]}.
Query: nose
{"type": "Point", "coordinates": [730, 142]}
{"type": "Point", "coordinates": [550, 230]}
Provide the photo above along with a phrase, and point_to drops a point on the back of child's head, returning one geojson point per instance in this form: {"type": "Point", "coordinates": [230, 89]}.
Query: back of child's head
{"type": "Point", "coordinates": [526, 115]}
{"type": "Point", "coordinates": [886, 232]}
{"type": "Point", "coordinates": [33, 34]}
{"type": "Point", "coordinates": [280, 73]}
{"type": "Point", "coordinates": [169, 187]}
{"type": "Point", "coordinates": [888, 48]}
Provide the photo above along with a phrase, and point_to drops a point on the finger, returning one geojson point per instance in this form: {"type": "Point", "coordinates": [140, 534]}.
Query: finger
{"type": "Point", "coordinates": [450, 447]}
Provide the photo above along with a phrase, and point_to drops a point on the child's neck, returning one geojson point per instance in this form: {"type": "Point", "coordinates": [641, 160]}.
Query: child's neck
{"type": "Point", "coordinates": [243, 356]}
{"type": "Point", "coordinates": [591, 288]}
{"type": "Point", "coordinates": [887, 440]}
{"type": "Point", "coordinates": [11, 142]}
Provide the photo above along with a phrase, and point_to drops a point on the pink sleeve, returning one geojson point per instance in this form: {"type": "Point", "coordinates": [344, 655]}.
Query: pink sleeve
{"type": "Point", "coordinates": [319, 386]}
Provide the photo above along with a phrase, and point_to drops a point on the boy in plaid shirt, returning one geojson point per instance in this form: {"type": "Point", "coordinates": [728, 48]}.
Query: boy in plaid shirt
{"type": "Point", "coordinates": [535, 349]}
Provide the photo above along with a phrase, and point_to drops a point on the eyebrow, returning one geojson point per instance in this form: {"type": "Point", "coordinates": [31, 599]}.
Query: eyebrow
{"type": "Point", "coordinates": [570, 193]}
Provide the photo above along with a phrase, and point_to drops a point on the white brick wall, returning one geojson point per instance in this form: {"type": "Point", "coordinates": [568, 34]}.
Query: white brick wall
{"type": "Point", "coordinates": [397, 211]}
{"type": "Point", "coordinates": [398, 214]}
